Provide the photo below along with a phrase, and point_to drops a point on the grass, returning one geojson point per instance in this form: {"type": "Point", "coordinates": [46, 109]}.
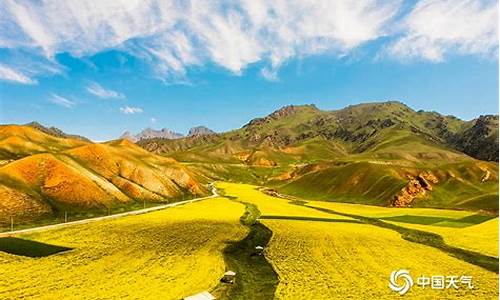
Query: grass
{"type": "Point", "coordinates": [167, 254]}
{"type": "Point", "coordinates": [318, 259]}
{"type": "Point", "coordinates": [376, 182]}
{"type": "Point", "coordinates": [255, 277]}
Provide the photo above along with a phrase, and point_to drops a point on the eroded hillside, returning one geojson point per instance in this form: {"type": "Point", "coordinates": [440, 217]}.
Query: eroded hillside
{"type": "Point", "coordinates": [43, 175]}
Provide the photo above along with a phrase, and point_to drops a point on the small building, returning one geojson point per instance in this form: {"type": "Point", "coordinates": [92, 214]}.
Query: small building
{"type": "Point", "coordinates": [201, 296]}
{"type": "Point", "coordinates": [229, 277]}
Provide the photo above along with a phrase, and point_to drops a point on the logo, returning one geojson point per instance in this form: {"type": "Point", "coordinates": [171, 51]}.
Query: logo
{"type": "Point", "coordinates": [405, 284]}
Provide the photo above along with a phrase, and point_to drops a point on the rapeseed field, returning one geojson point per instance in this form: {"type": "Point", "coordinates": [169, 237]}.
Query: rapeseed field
{"type": "Point", "coordinates": [167, 254]}
{"type": "Point", "coordinates": [317, 258]}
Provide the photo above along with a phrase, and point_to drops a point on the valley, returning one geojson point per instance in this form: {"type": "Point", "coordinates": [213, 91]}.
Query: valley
{"type": "Point", "coordinates": [336, 199]}
{"type": "Point", "coordinates": [177, 252]}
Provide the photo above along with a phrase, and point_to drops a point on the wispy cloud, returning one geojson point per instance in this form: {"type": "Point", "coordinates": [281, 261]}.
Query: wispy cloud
{"type": "Point", "coordinates": [96, 89]}
{"type": "Point", "coordinates": [129, 110]}
{"type": "Point", "coordinates": [9, 74]}
{"type": "Point", "coordinates": [61, 101]}
{"type": "Point", "coordinates": [435, 28]}
{"type": "Point", "coordinates": [172, 36]}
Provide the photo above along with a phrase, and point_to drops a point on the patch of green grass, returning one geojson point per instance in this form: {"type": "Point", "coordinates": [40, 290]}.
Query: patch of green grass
{"type": "Point", "coordinates": [255, 277]}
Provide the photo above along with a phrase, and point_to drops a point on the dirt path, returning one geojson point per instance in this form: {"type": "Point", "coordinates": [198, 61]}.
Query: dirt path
{"type": "Point", "coordinates": [110, 217]}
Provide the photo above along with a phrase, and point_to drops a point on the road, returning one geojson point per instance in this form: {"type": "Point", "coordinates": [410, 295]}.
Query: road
{"type": "Point", "coordinates": [110, 217]}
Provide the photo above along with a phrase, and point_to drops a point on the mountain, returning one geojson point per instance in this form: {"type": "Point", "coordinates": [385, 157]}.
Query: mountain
{"type": "Point", "coordinates": [200, 130]}
{"type": "Point", "coordinates": [150, 133]}
{"type": "Point", "coordinates": [56, 131]}
{"type": "Point", "coordinates": [305, 133]}
{"type": "Point", "coordinates": [379, 153]}
{"type": "Point", "coordinates": [42, 175]}
{"type": "Point", "coordinates": [479, 140]}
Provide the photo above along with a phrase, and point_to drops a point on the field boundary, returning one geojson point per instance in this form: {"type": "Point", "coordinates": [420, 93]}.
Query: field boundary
{"type": "Point", "coordinates": [110, 217]}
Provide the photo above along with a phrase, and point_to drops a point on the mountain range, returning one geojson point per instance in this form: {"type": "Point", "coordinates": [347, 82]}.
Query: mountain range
{"type": "Point", "coordinates": [374, 153]}
{"type": "Point", "coordinates": [379, 153]}
{"type": "Point", "coordinates": [165, 133]}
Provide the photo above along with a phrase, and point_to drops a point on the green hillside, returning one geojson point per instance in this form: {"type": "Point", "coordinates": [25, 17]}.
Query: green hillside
{"type": "Point", "coordinates": [376, 153]}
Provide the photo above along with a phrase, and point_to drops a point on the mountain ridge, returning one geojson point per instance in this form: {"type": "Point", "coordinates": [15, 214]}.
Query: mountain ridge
{"type": "Point", "coordinates": [356, 127]}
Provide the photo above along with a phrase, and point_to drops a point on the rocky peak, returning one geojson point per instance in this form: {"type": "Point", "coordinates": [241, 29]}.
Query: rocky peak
{"type": "Point", "coordinates": [200, 130]}
{"type": "Point", "coordinates": [150, 133]}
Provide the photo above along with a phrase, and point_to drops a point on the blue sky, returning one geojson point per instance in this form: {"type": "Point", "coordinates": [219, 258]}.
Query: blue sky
{"type": "Point", "coordinates": [222, 65]}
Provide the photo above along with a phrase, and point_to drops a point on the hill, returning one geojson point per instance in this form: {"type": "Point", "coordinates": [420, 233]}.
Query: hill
{"type": "Point", "coordinates": [373, 152]}
{"type": "Point", "coordinates": [56, 174]}
{"type": "Point", "coordinates": [17, 141]}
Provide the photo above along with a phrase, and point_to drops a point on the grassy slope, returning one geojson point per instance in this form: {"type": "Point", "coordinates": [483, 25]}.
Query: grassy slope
{"type": "Point", "coordinates": [370, 150]}
{"type": "Point", "coordinates": [318, 259]}
{"type": "Point", "coordinates": [167, 254]}
{"type": "Point", "coordinates": [371, 181]}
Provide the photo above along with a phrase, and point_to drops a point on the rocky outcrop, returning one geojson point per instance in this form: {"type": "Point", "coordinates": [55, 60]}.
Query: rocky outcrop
{"type": "Point", "coordinates": [417, 186]}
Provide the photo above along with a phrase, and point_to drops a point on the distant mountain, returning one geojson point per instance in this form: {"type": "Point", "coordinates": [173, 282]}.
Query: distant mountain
{"type": "Point", "coordinates": [150, 133]}
{"type": "Point", "coordinates": [56, 131]}
{"type": "Point", "coordinates": [200, 130]}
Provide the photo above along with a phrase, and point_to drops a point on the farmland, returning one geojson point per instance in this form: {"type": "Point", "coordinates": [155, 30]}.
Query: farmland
{"type": "Point", "coordinates": [317, 258]}
{"type": "Point", "coordinates": [167, 254]}
{"type": "Point", "coordinates": [314, 250]}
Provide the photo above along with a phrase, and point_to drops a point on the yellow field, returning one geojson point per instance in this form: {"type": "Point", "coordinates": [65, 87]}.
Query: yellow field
{"type": "Point", "coordinates": [177, 252]}
{"type": "Point", "coordinates": [325, 260]}
{"type": "Point", "coordinates": [482, 238]}
{"type": "Point", "coordinates": [167, 254]}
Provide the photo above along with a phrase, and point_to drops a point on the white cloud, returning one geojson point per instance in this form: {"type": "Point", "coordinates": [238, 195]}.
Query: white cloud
{"type": "Point", "coordinates": [436, 28]}
{"type": "Point", "coordinates": [96, 89]}
{"type": "Point", "coordinates": [61, 101]}
{"type": "Point", "coordinates": [9, 74]}
{"type": "Point", "coordinates": [174, 35]}
{"type": "Point", "coordinates": [128, 110]}
{"type": "Point", "coordinates": [152, 120]}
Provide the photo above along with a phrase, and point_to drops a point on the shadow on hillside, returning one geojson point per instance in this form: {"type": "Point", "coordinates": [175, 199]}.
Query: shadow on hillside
{"type": "Point", "coordinates": [441, 221]}
{"type": "Point", "coordinates": [299, 218]}
{"type": "Point", "coordinates": [29, 248]}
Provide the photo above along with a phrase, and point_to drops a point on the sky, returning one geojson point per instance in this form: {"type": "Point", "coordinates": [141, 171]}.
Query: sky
{"type": "Point", "coordinates": [99, 68]}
